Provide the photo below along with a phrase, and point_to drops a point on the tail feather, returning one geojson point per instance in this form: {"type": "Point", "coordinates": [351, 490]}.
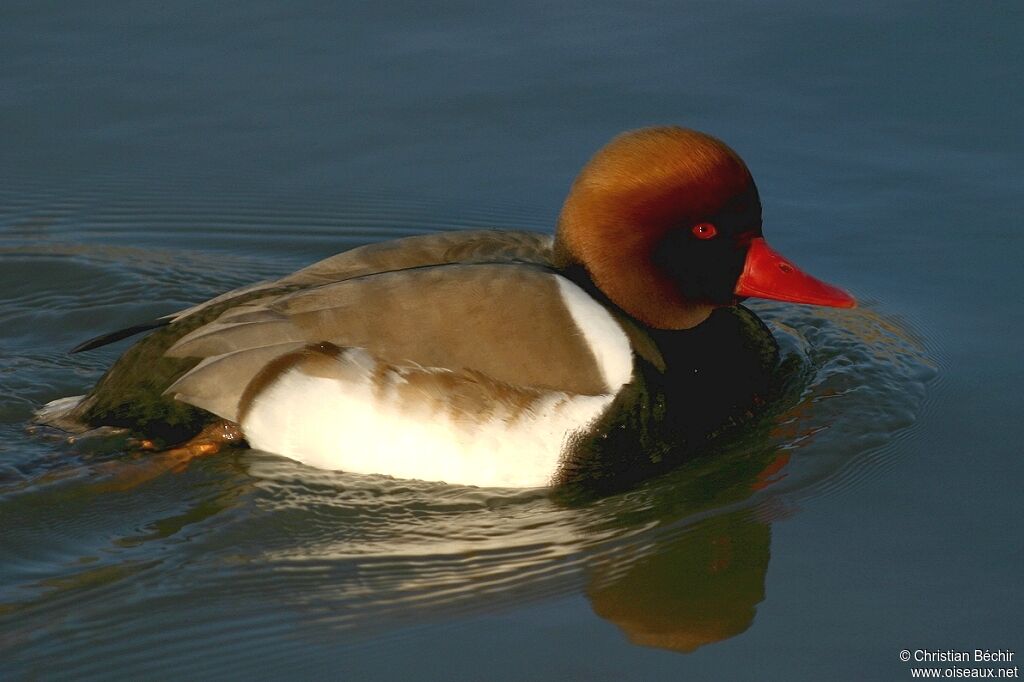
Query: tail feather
{"type": "Point", "coordinates": [61, 414]}
{"type": "Point", "coordinates": [111, 337]}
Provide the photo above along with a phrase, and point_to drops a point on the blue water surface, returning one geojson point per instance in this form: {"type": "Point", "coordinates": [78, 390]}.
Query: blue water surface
{"type": "Point", "coordinates": [156, 154]}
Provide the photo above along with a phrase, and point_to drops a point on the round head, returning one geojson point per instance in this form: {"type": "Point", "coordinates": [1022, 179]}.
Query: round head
{"type": "Point", "coordinates": [663, 220]}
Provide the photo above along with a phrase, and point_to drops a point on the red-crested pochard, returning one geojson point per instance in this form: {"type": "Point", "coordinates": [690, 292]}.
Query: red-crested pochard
{"type": "Point", "coordinates": [488, 358]}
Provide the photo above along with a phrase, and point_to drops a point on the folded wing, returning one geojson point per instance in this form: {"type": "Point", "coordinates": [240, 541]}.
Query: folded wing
{"type": "Point", "coordinates": [508, 322]}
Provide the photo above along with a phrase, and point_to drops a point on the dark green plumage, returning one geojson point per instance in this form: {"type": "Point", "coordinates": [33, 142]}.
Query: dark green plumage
{"type": "Point", "coordinates": [716, 376]}
{"type": "Point", "coordinates": [130, 394]}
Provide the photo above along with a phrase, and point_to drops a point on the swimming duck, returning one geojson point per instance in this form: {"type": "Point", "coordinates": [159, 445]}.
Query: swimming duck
{"type": "Point", "coordinates": [490, 358]}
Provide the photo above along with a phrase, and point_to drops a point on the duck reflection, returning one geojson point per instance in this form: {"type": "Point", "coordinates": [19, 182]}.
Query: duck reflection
{"type": "Point", "coordinates": [702, 583]}
{"type": "Point", "coordinates": [700, 588]}
{"type": "Point", "coordinates": [676, 564]}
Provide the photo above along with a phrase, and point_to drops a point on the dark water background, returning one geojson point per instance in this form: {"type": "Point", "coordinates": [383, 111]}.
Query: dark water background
{"type": "Point", "coordinates": [153, 155]}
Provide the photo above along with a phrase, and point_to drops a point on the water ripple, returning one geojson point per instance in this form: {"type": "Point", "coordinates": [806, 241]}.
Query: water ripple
{"type": "Point", "coordinates": [248, 549]}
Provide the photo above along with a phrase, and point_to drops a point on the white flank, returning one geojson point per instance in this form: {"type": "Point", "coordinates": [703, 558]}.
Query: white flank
{"type": "Point", "coordinates": [607, 341]}
{"type": "Point", "coordinates": [354, 426]}
{"type": "Point", "coordinates": [349, 423]}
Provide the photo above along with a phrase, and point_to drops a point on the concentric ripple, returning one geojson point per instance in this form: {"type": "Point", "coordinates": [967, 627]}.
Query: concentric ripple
{"type": "Point", "coordinates": [260, 554]}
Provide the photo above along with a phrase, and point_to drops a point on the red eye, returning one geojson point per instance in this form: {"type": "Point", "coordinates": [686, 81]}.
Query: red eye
{"type": "Point", "coordinates": [704, 231]}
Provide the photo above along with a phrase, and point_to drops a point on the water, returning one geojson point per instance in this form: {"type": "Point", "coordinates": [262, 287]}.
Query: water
{"type": "Point", "coordinates": [154, 156]}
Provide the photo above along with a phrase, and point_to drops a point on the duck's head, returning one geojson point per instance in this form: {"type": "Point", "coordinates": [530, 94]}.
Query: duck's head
{"type": "Point", "coordinates": [667, 223]}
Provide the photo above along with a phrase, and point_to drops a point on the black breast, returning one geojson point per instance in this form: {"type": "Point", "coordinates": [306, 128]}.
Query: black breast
{"type": "Point", "coordinates": [716, 377]}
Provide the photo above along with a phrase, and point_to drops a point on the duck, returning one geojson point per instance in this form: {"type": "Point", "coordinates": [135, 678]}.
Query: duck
{"type": "Point", "coordinates": [491, 358]}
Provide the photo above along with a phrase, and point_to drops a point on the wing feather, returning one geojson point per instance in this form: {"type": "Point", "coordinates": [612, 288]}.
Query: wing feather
{"type": "Point", "coordinates": [506, 322]}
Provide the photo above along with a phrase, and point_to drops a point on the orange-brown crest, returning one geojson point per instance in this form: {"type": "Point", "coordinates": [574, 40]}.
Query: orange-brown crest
{"type": "Point", "coordinates": [637, 190]}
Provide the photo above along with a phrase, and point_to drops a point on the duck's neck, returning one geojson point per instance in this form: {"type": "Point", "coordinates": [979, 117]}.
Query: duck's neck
{"type": "Point", "coordinates": [631, 282]}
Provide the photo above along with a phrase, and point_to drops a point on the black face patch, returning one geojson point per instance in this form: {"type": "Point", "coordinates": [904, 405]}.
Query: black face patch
{"type": "Point", "coordinates": [704, 268]}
